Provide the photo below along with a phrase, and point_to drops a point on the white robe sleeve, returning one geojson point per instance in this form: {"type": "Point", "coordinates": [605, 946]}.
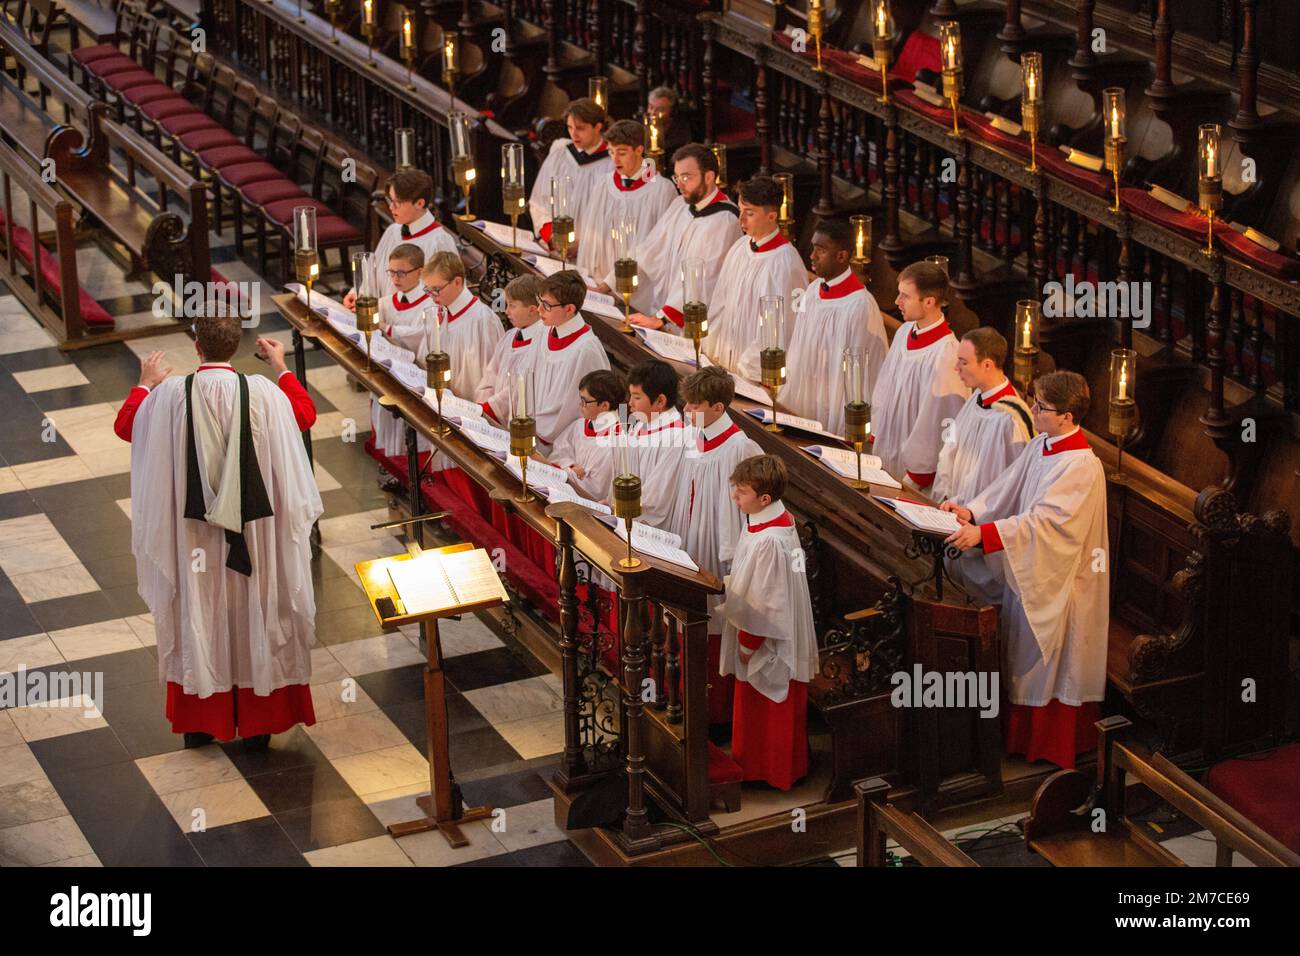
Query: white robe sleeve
{"type": "Point", "coordinates": [939, 408]}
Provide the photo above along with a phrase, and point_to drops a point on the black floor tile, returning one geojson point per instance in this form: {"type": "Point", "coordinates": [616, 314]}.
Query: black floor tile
{"type": "Point", "coordinates": [507, 790]}
{"type": "Point", "coordinates": [122, 818]}
{"type": "Point", "coordinates": [259, 842]}
{"type": "Point", "coordinates": [138, 715]}
{"type": "Point", "coordinates": [17, 504]}
{"type": "Point", "coordinates": [113, 542]}
{"type": "Point", "coordinates": [78, 496]}
{"type": "Point", "coordinates": [289, 750]}
{"type": "Point", "coordinates": [340, 596]}
{"type": "Point", "coordinates": [409, 718]}
{"type": "Point", "coordinates": [22, 440]}
{"type": "Point", "coordinates": [71, 396]}
{"type": "Point", "coordinates": [33, 359]}
{"type": "Point", "coordinates": [324, 568]}
{"type": "Point", "coordinates": [338, 502]}
{"type": "Point", "coordinates": [117, 486]}
{"type": "Point", "coordinates": [110, 571]}
{"type": "Point", "coordinates": [347, 624]}
{"type": "Point", "coordinates": [560, 853]}
{"type": "Point", "coordinates": [475, 749]}
{"type": "Point", "coordinates": [70, 753]}
{"type": "Point", "coordinates": [485, 668]}
{"type": "Point", "coordinates": [121, 670]}
{"type": "Point", "coordinates": [399, 685]}
{"type": "Point", "coordinates": [102, 515]}
{"type": "Point", "coordinates": [330, 824]}
{"type": "Point", "coordinates": [16, 620]}
{"type": "Point", "coordinates": [126, 599]}
{"type": "Point", "coordinates": [74, 611]}
{"type": "Point", "coordinates": [299, 787]}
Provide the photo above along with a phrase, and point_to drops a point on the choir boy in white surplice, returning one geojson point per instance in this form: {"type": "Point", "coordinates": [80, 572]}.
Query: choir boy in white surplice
{"type": "Point", "coordinates": [769, 641]}
{"type": "Point", "coordinates": [566, 350]}
{"type": "Point", "coordinates": [584, 157]}
{"type": "Point", "coordinates": [703, 513]}
{"type": "Point", "coordinates": [1042, 527]}
{"type": "Point", "coordinates": [402, 309]}
{"type": "Point", "coordinates": [918, 393]}
{"type": "Point", "coordinates": [658, 438]}
{"type": "Point", "coordinates": [583, 448]}
{"type": "Point", "coordinates": [470, 332]}
{"type": "Point", "coordinates": [634, 192]}
{"type": "Point", "coordinates": [761, 262]}
{"type": "Point", "coordinates": [408, 193]}
{"type": "Point", "coordinates": [703, 226]}
{"type": "Point", "coordinates": [223, 505]}
{"type": "Point", "coordinates": [835, 313]}
{"type": "Point", "coordinates": [514, 348]}
{"type": "Point", "coordinates": [988, 434]}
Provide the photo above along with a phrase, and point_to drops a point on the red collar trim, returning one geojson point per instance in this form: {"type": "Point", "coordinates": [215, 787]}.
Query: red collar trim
{"type": "Point", "coordinates": [520, 341]}
{"type": "Point", "coordinates": [637, 182]}
{"type": "Point", "coordinates": [1003, 392]}
{"type": "Point", "coordinates": [592, 433]}
{"type": "Point", "coordinates": [931, 335]}
{"type": "Point", "coordinates": [453, 318]}
{"type": "Point", "coordinates": [775, 242]}
{"type": "Point", "coordinates": [849, 286]}
{"type": "Point", "coordinates": [708, 444]}
{"type": "Point", "coordinates": [556, 343]}
{"type": "Point", "coordinates": [205, 368]}
{"type": "Point", "coordinates": [718, 197]}
{"type": "Point", "coordinates": [1076, 442]}
{"type": "Point", "coordinates": [675, 423]}
{"type": "Point", "coordinates": [403, 306]}
{"type": "Point", "coordinates": [781, 521]}
{"type": "Point", "coordinates": [425, 231]}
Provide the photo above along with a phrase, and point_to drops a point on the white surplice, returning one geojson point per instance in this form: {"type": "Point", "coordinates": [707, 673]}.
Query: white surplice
{"type": "Point", "coordinates": [586, 170]}
{"type": "Point", "coordinates": [513, 353]}
{"type": "Point", "coordinates": [561, 357]}
{"type": "Point", "coordinates": [767, 596]}
{"type": "Point", "coordinates": [751, 270]}
{"type": "Point", "coordinates": [658, 454]}
{"type": "Point", "coordinates": [586, 444]}
{"type": "Point", "coordinates": [1049, 510]}
{"type": "Point", "coordinates": [399, 309]}
{"type": "Point", "coordinates": [426, 232]}
{"type": "Point", "coordinates": [642, 199]}
{"type": "Point", "coordinates": [217, 628]}
{"type": "Point", "coordinates": [917, 395]}
{"type": "Point", "coordinates": [831, 317]}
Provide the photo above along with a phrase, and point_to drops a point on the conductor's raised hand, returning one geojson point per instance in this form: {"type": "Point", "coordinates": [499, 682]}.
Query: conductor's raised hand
{"type": "Point", "coordinates": [152, 370]}
{"type": "Point", "coordinates": [963, 514]}
{"type": "Point", "coordinates": [965, 537]}
{"type": "Point", "coordinates": [271, 352]}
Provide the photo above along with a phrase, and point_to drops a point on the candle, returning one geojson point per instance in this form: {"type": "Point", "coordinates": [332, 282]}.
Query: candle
{"type": "Point", "coordinates": [882, 22]}
{"type": "Point", "coordinates": [654, 133]}
{"type": "Point", "coordinates": [406, 31]}
{"type": "Point", "coordinates": [370, 12]}
{"type": "Point", "coordinates": [1114, 122]}
{"type": "Point", "coordinates": [1211, 161]}
{"type": "Point", "coordinates": [437, 328]}
{"type": "Point", "coordinates": [1123, 381]}
{"type": "Point", "coordinates": [952, 52]}
{"type": "Point", "coordinates": [861, 242]}
{"type": "Point", "coordinates": [1029, 342]}
{"type": "Point", "coordinates": [523, 400]}
{"type": "Point", "coordinates": [785, 210]}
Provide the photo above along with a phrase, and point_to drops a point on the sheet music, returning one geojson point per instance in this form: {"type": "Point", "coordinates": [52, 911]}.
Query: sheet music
{"type": "Point", "coordinates": [421, 584]}
{"type": "Point", "coordinates": [484, 434]}
{"type": "Point", "coordinates": [545, 264]}
{"type": "Point", "coordinates": [843, 462]}
{"type": "Point", "coordinates": [382, 350]}
{"type": "Point", "coordinates": [540, 474]}
{"type": "Point", "coordinates": [657, 543]}
{"type": "Point", "coordinates": [566, 493]}
{"type": "Point", "coordinates": [602, 304]}
{"type": "Point", "coordinates": [500, 232]}
{"type": "Point", "coordinates": [794, 421]}
{"type": "Point", "coordinates": [410, 375]}
{"type": "Point", "coordinates": [453, 406]}
{"type": "Point", "coordinates": [473, 577]}
{"type": "Point", "coordinates": [744, 387]}
{"type": "Point", "coordinates": [675, 347]}
{"type": "Point", "coordinates": [927, 518]}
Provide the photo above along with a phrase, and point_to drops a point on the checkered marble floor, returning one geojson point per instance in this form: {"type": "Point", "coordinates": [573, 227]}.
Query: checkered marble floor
{"type": "Point", "coordinates": [81, 787]}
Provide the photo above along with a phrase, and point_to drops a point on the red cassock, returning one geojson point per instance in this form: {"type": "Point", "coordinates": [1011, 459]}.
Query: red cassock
{"type": "Point", "coordinates": [770, 740]}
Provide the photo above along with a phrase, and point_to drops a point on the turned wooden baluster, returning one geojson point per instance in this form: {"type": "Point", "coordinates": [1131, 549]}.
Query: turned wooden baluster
{"type": "Point", "coordinates": [965, 281]}
{"type": "Point", "coordinates": [1162, 86]}
{"type": "Point", "coordinates": [1256, 345]}
{"type": "Point", "coordinates": [710, 90]}
{"type": "Point", "coordinates": [673, 670]}
{"type": "Point", "coordinates": [1004, 220]}
{"type": "Point", "coordinates": [1237, 334]}
{"type": "Point", "coordinates": [930, 186]}
{"type": "Point", "coordinates": [1012, 33]}
{"type": "Point", "coordinates": [575, 763]}
{"type": "Point", "coordinates": [826, 201]}
{"type": "Point", "coordinates": [945, 9]}
{"type": "Point", "coordinates": [1040, 240]}
{"type": "Point", "coordinates": [1079, 262]}
{"type": "Point", "coordinates": [657, 655]}
{"type": "Point", "coordinates": [1084, 61]}
{"type": "Point", "coordinates": [635, 823]}
{"type": "Point", "coordinates": [595, 36]}
{"type": "Point", "coordinates": [552, 66]}
{"type": "Point", "coordinates": [639, 53]}
{"type": "Point", "coordinates": [760, 113]}
{"type": "Point", "coordinates": [1124, 227]}
{"type": "Point", "coordinates": [892, 243]}
{"type": "Point", "coordinates": [1218, 426]}
{"type": "Point", "coordinates": [988, 225]}
{"type": "Point", "coordinates": [1166, 301]}
{"type": "Point", "coordinates": [1247, 117]}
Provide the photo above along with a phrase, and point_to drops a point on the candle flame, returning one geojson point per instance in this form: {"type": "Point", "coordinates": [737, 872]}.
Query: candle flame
{"type": "Point", "coordinates": [882, 23]}
{"type": "Point", "coordinates": [1123, 380]}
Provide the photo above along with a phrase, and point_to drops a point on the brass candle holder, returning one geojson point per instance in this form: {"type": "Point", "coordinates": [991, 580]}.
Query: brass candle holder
{"type": "Point", "coordinates": [523, 439]}
{"type": "Point", "coordinates": [816, 24]}
{"type": "Point", "coordinates": [367, 321]}
{"type": "Point", "coordinates": [365, 282]}
{"type": "Point", "coordinates": [882, 45]}
{"type": "Point", "coordinates": [368, 31]}
{"type": "Point", "coordinates": [462, 159]}
{"type": "Point", "coordinates": [1113, 111]}
{"type": "Point", "coordinates": [771, 337]}
{"type": "Point", "coordinates": [695, 313]}
{"type": "Point", "coordinates": [625, 280]}
{"type": "Point", "coordinates": [1029, 316]}
{"type": "Point", "coordinates": [857, 423]}
{"type": "Point", "coordinates": [306, 261]}
{"type": "Point", "coordinates": [562, 235]}
{"type": "Point", "coordinates": [861, 258]}
{"type": "Point", "coordinates": [950, 56]}
{"type": "Point", "coordinates": [1031, 101]}
{"type": "Point", "coordinates": [450, 64]}
{"type": "Point", "coordinates": [598, 90]}
{"type": "Point", "coordinates": [1209, 180]}
{"type": "Point", "coordinates": [1123, 405]}
{"type": "Point", "coordinates": [857, 405]}
{"type": "Point", "coordinates": [332, 11]}
{"type": "Point", "coordinates": [654, 146]}
{"type": "Point", "coordinates": [785, 217]}
{"type": "Point", "coordinates": [627, 505]}
{"type": "Point", "coordinates": [772, 361]}
{"type": "Point", "coordinates": [437, 369]}
{"type": "Point", "coordinates": [720, 154]}
{"type": "Point", "coordinates": [512, 189]}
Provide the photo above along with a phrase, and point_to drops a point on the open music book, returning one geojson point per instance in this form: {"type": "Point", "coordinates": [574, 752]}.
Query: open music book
{"type": "Point", "coordinates": [501, 232]}
{"type": "Point", "coordinates": [924, 517]}
{"type": "Point", "coordinates": [844, 462]}
{"type": "Point", "coordinates": [655, 542]}
{"type": "Point", "coordinates": [809, 425]}
{"type": "Point", "coordinates": [673, 347]}
{"type": "Point", "coordinates": [484, 434]}
{"type": "Point", "coordinates": [554, 493]}
{"type": "Point", "coordinates": [540, 474]}
{"type": "Point", "coordinates": [437, 581]}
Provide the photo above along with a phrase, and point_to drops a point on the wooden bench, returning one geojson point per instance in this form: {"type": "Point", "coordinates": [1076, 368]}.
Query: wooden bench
{"type": "Point", "coordinates": [878, 820]}
{"type": "Point", "coordinates": [1061, 822]}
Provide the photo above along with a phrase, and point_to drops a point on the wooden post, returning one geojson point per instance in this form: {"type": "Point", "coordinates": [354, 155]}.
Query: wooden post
{"type": "Point", "coordinates": [673, 670]}
{"type": "Point", "coordinates": [636, 825]}
{"type": "Point", "coordinates": [1124, 229]}
{"type": "Point", "coordinates": [575, 763]}
{"type": "Point", "coordinates": [871, 839]}
{"type": "Point", "coordinates": [1248, 67]}
{"type": "Point", "coordinates": [1218, 425]}
{"type": "Point", "coordinates": [710, 90]}
{"type": "Point", "coordinates": [597, 36]}
{"type": "Point", "coordinates": [1084, 61]}
{"type": "Point", "coordinates": [892, 243]}
{"type": "Point", "coordinates": [639, 53]}
{"type": "Point", "coordinates": [1012, 33]}
{"type": "Point", "coordinates": [552, 65]}
{"type": "Point", "coordinates": [826, 200]}
{"type": "Point", "coordinates": [964, 282]}
{"type": "Point", "coordinates": [760, 112]}
{"type": "Point", "coordinates": [1162, 86]}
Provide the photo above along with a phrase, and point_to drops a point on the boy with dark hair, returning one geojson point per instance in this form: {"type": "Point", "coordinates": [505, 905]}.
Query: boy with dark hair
{"type": "Point", "coordinates": [762, 262]}
{"type": "Point", "coordinates": [657, 436]}
{"type": "Point", "coordinates": [583, 447]}
{"type": "Point", "coordinates": [566, 350]}
{"type": "Point", "coordinates": [768, 642]}
{"type": "Point", "coordinates": [513, 350]}
{"type": "Point", "coordinates": [583, 156]}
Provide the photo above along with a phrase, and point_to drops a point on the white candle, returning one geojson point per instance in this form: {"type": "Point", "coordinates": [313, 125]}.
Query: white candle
{"type": "Point", "coordinates": [370, 11]}
{"type": "Point", "coordinates": [523, 399]}
{"type": "Point", "coordinates": [1028, 341]}
{"type": "Point", "coordinates": [881, 23]}
{"type": "Point", "coordinates": [437, 329]}
{"type": "Point", "coordinates": [1123, 381]}
{"type": "Point", "coordinates": [862, 239]}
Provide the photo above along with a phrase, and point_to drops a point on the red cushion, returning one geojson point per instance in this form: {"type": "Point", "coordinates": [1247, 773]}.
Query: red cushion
{"type": "Point", "coordinates": [228, 156]}
{"type": "Point", "coordinates": [188, 123]}
{"type": "Point", "coordinates": [88, 54]}
{"type": "Point", "coordinates": [273, 190]}
{"type": "Point", "coordinates": [207, 138]}
{"type": "Point", "coordinates": [92, 313]}
{"type": "Point", "coordinates": [1265, 790]}
{"type": "Point", "coordinates": [242, 174]}
{"type": "Point", "coordinates": [281, 210]}
{"type": "Point", "coordinates": [111, 66]}
{"type": "Point", "coordinates": [144, 95]}
{"type": "Point", "coordinates": [334, 229]}
{"type": "Point", "coordinates": [174, 106]}
{"type": "Point", "coordinates": [120, 82]}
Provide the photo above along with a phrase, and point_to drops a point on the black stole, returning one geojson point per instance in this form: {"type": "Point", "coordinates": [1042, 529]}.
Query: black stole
{"type": "Point", "coordinates": [253, 502]}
